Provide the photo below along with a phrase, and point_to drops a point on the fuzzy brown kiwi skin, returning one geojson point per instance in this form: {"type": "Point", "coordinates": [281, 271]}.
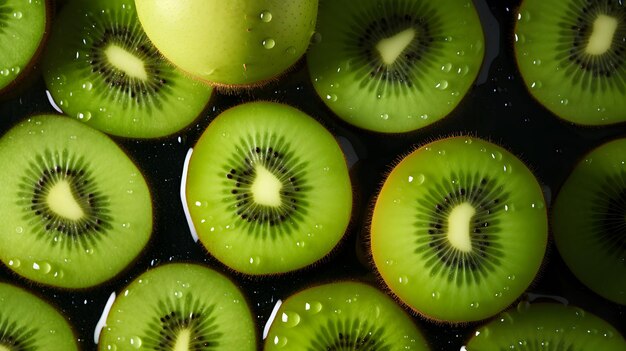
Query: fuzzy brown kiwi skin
{"type": "Point", "coordinates": [326, 258]}
{"type": "Point", "coordinates": [30, 72]}
{"type": "Point", "coordinates": [368, 226]}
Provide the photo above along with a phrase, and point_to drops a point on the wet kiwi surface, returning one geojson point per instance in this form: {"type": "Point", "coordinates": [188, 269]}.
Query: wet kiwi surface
{"type": "Point", "coordinates": [28, 323]}
{"type": "Point", "coordinates": [497, 108]}
{"type": "Point", "coordinates": [76, 210]}
{"type": "Point", "coordinates": [459, 229]}
{"type": "Point", "coordinates": [342, 316]}
{"type": "Point", "coordinates": [589, 220]}
{"type": "Point", "coordinates": [572, 56]}
{"type": "Point", "coordinates": [23, 25]}
{"type": "Point", "coordinates": [179, 307]}
{"type": "Point", "coordinates": [395, 66]}
{"type": "Point", "coordinates": [101, 68]}
{"type": "Point", "coordinates": [268, 189]}
{"type": "Point", "coordinates": [547, 326]}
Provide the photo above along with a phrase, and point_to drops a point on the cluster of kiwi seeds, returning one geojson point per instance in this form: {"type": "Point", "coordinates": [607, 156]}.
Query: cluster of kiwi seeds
{"type": "Point", "coordinates": [312, 175]}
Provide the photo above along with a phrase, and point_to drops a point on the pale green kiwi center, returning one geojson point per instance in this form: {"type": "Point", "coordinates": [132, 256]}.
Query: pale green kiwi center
{"type": "Point", "coordinates": [459, 222]}
{"type": "Point", "coordinates": [182, 340]}
{"type": "Point", "coordinates": [266, 187]}
{"type": "Point", "coordinates": [390, 48]}
{"type": "Point", "coordinates": [62, 202]}
{"type": "Point", "coordinates": [604, 28]}
{"type": "Point", "coordinates": [125, 61]}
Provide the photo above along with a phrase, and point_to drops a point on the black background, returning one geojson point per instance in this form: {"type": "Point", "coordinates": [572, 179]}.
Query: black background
{"type": "Point", "coordinates": [497, 108]}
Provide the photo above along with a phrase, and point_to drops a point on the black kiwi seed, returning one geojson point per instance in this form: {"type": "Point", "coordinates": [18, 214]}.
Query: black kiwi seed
{"type": "Point", "coordinates": [46, 171]}
{"type": "Point", "coordinates": [273, 155]}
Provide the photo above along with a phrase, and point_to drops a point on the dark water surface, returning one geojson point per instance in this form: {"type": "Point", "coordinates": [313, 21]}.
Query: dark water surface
{"type": "Point", "coordinates": [497, 108]}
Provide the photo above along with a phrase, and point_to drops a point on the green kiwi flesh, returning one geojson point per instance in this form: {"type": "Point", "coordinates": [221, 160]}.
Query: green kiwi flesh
{"type": "Point", "coordinates": [572, 57]}
{"type": "Point", "coordinates": [459, 229]}
{"type": "Point", "coordinates": [395, 66]}
{"type": "Point", "coordinates": [27, 323]}
{"type": "Point", "coordinates": [547, 327]}
{"type": "Point", "coordinates": [22, 32]}
{"type": "Point", "coordinates": [589, 221]}
{"type": "Point", "coordinates": [179, 307]}
{"type": "Point", "coordinates": [268, 189]}
{"type": "Point", "coordinates": [342, 316]}
{"type": "Point", "coordinates": [101, 68]}
{"type": "Point", "coordinates": [75, 209]}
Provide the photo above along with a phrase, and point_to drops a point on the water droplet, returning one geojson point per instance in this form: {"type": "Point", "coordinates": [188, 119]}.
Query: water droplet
{"type": "Point", "coordinates": [384, 116]}
{"type": "Point", "coordinates": [496, 155]}
{"type": "Point", "coordinates": [255, 260]}
{"type": "Point", "coordinates": [403, 280]}
{"type": "Point", "coordinates": [290, 319]}
{"type": "Point", "coordinates": [389, 262]}
{"type": "Point", "coordinates": [178, 294]}
{"type": "Point", "coordinates": [87, 85]}
{"type": "Point", "coordinates": [537, 62]}
{"type": "Point", "coordinates": [511, 277]}
{"type": "Point", "coordinates": [474, 304]}
{"type": "Point", "coordinates": [313, 306]}
{"type": "Point", "coordinates": [460, 53]}
{"type": "Point", "coordinates": [83, 116]}
{"type": "Point", "coordinates": [15, 263]}
{"type": "Point", "coordinates": [135, 341]}
{"type": "Point", "coordinates": [331, 97]}
{"type": "Point", "coordinates": [579, 312]}
{"type": "Point", "coordinates": [446, 67]}
{"type": "Point", "coordinates": [17, 15]}
{"type": "Point", "coordinates": [564, 101]}
{"type": "Point", "coordinates": [5, 72]}
{"type": "Point", "coordinates": [300, 243]}
{"type": "Point", "coordinates": [269, 43]}
{"type": "Point", "coordinates": [280, 341]}
{"type": "Point", "coordinates": [523, 306]}
{"type": "Point", "coordinates": [419, 179]}
{"type": "Point", "coordinates": [316, 38]}
{"type": "Point", "coordinates": [435, 295]}
{"type": "Point", "coordinates": [442, 85]}
{"type": "Point", "coordinates": [19, 230]}
{"type": "Point", "coordinates": [266, 16]}
{"type": "Point", "coordinates": [536, 84]}
{"type": "Point", "coordinates": [290, 50]}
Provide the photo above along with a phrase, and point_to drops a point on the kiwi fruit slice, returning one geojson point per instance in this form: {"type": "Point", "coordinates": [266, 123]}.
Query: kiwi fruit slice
{"type": "Point", "coordinates": [178, 307]}
{"type": "Point", "coordinates": [459, 229]}
{"type": "Point", "coordinates": [395, 66]}
{"type": "Point", "coordinates": [27, 323]}
{"type": "Point", "coordinates": [75, 209]}
{"type": "Point", "coordinates": [342, 316]}
{"type": "Point", "coordinates": [101, 69]}
{"type": "Point", "coordinates": [572, 57]}
{"type": "Point", "coordinates": [589, 220]}
{"type": "Point", "coordinates": [23, 26]}
{"type": "Point", "coordinates": [268, 189]}
{"type": "Point", "coordinates": [230, 43]}
{"type": "Point", "coordinates": [547, 326]}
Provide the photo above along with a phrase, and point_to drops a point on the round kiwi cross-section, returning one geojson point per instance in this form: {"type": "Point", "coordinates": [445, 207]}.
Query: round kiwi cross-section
{"type": "Point", "coordinates": [547, 326]}
{"type": "Point", "coordinates": [572, 56]}
{"type": "Point", "coordinates": [395, 66]}
{"type": "Point", "coordinates": [459, 229]}
{"type": "Point", "coordinates": [23, 25]}
{"type": "Point", "coordinates": [101, 69]}
{"type": "Point", "coordinates": [27, 323]}
{"type": "Point", "coordinates": [589, 221]}
{"type": "Point", "coordinates": [342, 316]}
{"type": "Point", "coordinates": [179, 307]}
{"type": "Point", "coordinates": [268, 189]}
{"type": "Point", "coordinates": [230, 43]}
{"type": "Point", "coordinates": [75, 209]}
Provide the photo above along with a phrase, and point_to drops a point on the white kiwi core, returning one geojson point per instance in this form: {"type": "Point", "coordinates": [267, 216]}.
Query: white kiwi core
{"type": "Point", "coordinates": [126, 61]}
{"type": "Point", "coordinates": [182, 340]}
{"type": "Point", "coordinates": [61, 201]}
{"type": "Point", "coordinates": [266, 187]}
{"type": "Point", "coordinates": [459, 222]}
{"type": "Point", "coordinates": [392, 47]}
{"type": "Point", "coordinates": [604, 28]}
